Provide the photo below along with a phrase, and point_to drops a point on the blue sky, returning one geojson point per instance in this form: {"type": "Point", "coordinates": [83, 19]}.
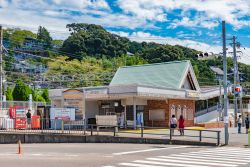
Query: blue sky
{"type": "Point", "coordinates": [191, 23]}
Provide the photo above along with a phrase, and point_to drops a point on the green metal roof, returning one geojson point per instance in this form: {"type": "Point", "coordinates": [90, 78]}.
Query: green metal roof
{"type": "Point", "coordinates": [168, 74]}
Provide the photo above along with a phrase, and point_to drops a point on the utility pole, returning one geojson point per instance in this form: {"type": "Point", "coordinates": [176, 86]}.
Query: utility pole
{"type": "Point", "coordinates": [1, 67]}
{"type": "Point", "coordinates": [226, 118]}
{"type": "Point", "coordinates": [220, 101]}
{"type": "Point", "coordinates": [235, 80]}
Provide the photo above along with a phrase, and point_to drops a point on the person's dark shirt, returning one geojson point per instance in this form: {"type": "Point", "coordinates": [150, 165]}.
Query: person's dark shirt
{"type": "Point", "coordinates": [247, 121]}
{"type": "Point", "coordinates": [28, 115]}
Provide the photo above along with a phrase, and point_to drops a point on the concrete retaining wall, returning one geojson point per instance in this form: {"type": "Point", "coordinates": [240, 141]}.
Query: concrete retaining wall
{"type": "Point", "coordinates": [61, 138]}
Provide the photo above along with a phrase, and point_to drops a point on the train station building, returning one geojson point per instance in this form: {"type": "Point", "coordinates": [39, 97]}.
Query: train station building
{"type": "Point", "coordinates": [142, 94]}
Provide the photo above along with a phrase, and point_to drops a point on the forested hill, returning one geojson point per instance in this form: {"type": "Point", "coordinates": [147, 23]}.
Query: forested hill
{"type": "Point", "coordinates": [95, 41]}
{"type": "Point", "coordinates": [92, 49]}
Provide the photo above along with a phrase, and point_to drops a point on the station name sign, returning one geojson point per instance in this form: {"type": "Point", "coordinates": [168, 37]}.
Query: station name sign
{"type": "Point", "coordinates": [192, 94]}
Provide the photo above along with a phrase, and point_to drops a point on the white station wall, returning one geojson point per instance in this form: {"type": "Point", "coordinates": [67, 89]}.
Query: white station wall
{"type": "Point", "coordinates": [91, 109]}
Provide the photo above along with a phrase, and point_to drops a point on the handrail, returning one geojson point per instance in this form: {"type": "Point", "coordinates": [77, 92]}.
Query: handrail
{"type": "Point", "coordinates": [204, 111]}
{"type": "Point", "coordinates": [142, 132]}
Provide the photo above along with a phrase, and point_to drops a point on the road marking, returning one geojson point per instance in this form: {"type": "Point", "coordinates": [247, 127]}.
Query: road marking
{"type": "Point", "coordinates": [108, 156]}
{"type": "Point", "coordinates": [8, 154]}
{"type": "Point", "coordinates": [40, 154]}
{"type": "Point", "coordinates": [229, 157]}
{"type": "Point", "coordinates": [226, 151]}
{"type": "Point", "coordinates": [139, 165]}
{"type": "Point", "coordinates": [148, 150]}
{"type": "Point", "coordinates": [172, 159]}
{"type": "Point", "coordinates": [36, 154]}
{"type": "Point", "coordinates": [215, 157]}
{"type": "Point", "coordinates": [224, 154]}
{"type": "Point", "coordinates": [201, 159]}
{"type": "Point", "coordinates": [167, 163]}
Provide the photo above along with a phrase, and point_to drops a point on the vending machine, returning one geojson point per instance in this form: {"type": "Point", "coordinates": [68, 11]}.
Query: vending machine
{"type": "Point", "coordinates": [18, 114]}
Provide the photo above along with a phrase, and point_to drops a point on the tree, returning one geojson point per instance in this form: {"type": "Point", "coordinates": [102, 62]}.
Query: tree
{"type": "Point", "coordinates": [8, 93]}
{"type": "Point", "coordinates": [93, 40]}
{"type": "Point", "coordinates": [21, 91]}
{"type": "Point", "coordinates": [45, 95]}
{"type": "Point", "coordinates": [36, 95]}
{"type": "Point", "coordinates": [44, 36]}
{"type": "Point", "coordinates": [18, 36]}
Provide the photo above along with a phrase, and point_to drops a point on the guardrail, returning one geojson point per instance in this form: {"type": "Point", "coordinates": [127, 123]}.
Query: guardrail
{"type": "Point", "coordinates": [142, 132]}
{"type": "Point", "coordinates": [204, 111]}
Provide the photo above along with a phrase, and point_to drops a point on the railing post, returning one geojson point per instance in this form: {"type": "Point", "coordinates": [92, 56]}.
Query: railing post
{"type": "Point", "coordinates": [218, 138]}
{"type": "Point", "coordinates": [55, 125]}
{"type": "Point", "coordinates": [91, 132]}
{"type": "Point", "coordinates": [170, 133]}
{"type": "Point", "coordinates": [69, 126]}
{"type": "Point", "coordinates": [62, 126]}
{"type": "Point", "coordinates": [84, 126]}
{"type": "Point", "coordinates": [200, 136]}
{"type": "Point", "coordinates": [42, 119]}
{"type": "Point", "coordinates": [141, 131]}
{"type": "Point", "coordinates": [114, 130]}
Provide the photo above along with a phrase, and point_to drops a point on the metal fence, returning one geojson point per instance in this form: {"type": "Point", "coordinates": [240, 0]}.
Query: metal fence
{"type": "Point", "coordinates": [38, 125]}
{"type": "Point", "coordinates": [25, 104]}
{"type": "Point", "coordinates": [212, 136]}
{"type": "Point", "coordinates": [59, 126]}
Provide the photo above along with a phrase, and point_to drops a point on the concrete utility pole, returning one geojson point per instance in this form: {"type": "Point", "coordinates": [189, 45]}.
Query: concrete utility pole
{"type": "Point", "coordinates": [1, 67]}
{"type": "Point", "coordinates": [235, 80]}
{"type": "Point", "coordinates": [226, 118]}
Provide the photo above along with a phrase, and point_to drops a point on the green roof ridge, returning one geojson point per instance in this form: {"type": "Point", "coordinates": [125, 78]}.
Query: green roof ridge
{"type": "Point", "coordinates": [150, 64]}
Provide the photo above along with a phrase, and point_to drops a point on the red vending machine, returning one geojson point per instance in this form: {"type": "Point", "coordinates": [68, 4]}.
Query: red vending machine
{"type": "Point", "coordinates": [18, 113]}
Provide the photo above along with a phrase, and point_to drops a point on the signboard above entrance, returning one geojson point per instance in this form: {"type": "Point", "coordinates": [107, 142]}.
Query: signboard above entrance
{"type": "Point", "coordinates": [192, 94]}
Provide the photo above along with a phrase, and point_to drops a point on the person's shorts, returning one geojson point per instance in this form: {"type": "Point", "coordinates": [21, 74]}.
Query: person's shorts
{"type": "Point", "coordinates": [173, 125]}
{"type": "Point", "coordinates": [29, 121]}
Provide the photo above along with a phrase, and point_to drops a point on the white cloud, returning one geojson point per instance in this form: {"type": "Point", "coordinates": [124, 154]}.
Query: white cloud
{"type": "Point", "coordinates": [3, 3]}
{"type": "Point", "coordinates": [120, 33]}
{"type": "Point", "coordinates": [81, 4]}
{"type": "Point", "coordinates": [18, 18]}
{"type": "Point", "coordinates": [245, 57]}
{"type": "Point", "coordinates": [144, 9]}
{"type": "Point", "coordinates": [208, 12]}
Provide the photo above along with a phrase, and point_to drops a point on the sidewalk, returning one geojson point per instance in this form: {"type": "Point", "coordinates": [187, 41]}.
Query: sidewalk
{"type": "Point", "coordinates": [235, 139]}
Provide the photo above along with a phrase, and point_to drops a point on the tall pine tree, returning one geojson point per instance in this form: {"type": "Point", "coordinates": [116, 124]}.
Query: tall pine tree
{"type": "Point", "coordinates": [44, 36]}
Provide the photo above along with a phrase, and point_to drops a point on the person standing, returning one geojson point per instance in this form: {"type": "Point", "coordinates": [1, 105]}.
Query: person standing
{"type": "Point", "coordinates": [239, 122]}
{"type": "Point", "coordinates": [181, 125]}
{"type": "Point", "coordinates": [247, 121]}
{"type": "Point", "coordinates": [28, 115]}
{"type": "Point", "coordinates": [173, 124]}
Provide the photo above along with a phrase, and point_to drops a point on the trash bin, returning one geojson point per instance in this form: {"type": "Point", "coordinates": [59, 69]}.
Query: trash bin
{"type": "Point", "coordinates": [35, 123]}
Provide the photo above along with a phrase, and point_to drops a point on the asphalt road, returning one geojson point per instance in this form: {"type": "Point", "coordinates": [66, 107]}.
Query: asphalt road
{"type": "Point", "coordinates": [118, 155]}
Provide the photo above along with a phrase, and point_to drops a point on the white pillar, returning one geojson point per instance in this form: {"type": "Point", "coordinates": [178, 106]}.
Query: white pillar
{"type": "Point", "coordinates": [84, 105]}
{"type": "Point", "coordinates": [30, 101]}
{"type": "Point", "coordinates": [125, 115]}
{"type": "Point", "coordinates": [134, 112]}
